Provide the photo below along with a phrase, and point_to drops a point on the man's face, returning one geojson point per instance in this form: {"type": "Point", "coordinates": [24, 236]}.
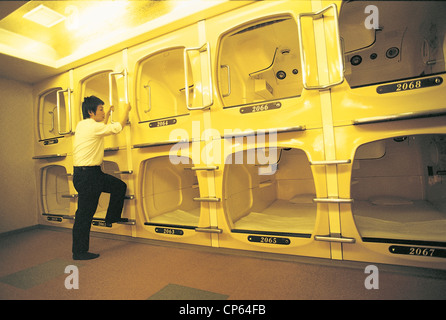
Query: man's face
{"type": "Point", "coordinates": [100, 114]}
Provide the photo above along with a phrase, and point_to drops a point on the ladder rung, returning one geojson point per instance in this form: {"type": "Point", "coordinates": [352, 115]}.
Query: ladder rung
{"type": "Point", "coordinates": [210, 199]}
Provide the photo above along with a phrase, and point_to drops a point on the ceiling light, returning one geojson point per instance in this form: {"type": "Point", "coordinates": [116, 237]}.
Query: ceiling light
{"type": "Point", "coordinates": [44, 16]}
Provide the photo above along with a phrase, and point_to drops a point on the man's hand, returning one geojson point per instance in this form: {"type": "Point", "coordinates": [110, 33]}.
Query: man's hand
{"type": "Point", "coordinates": [125, 118]}
{"type": "Point", "coordinates": [108, 113]}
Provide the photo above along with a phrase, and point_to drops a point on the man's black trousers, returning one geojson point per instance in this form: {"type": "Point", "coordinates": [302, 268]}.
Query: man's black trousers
{"type": "Point", "coordinates": [89, 183]}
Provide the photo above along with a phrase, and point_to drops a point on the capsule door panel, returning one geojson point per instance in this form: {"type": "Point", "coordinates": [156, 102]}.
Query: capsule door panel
{"type": "Point", "coordinates": [107, 79]}
{"type": "Point", "coordinates": [395, 68]}
{"type": "Point", "coordinates": [395, 180]}
{"type": "Point", "coordinates": [53, 115]}
{"type": "Point", "coordinates": [268, 190]}
{"type": "Point", "coordinates": [161, 70]}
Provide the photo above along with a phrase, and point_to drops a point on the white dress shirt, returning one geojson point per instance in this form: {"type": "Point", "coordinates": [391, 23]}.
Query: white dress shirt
{"type": "Point", "coordinates": [88, 149]}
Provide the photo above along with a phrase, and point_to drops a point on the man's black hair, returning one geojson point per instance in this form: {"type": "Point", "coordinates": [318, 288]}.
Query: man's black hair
{"type": "Point", "coordinates": [90, 104]}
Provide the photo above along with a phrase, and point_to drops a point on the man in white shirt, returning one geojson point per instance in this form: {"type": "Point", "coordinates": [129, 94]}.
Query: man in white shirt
{"type": "Point", "coordinates": [88, 178]}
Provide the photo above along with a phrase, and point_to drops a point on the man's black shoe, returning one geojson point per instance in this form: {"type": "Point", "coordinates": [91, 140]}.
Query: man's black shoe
{"type": "Point", "coordinates": [109, 223]}
{"type": "Point", "coordinates": [85, 256]}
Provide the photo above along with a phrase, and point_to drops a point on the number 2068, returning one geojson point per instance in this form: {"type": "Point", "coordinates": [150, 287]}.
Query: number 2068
{"type": "Point", "coordinates": [408, 85]}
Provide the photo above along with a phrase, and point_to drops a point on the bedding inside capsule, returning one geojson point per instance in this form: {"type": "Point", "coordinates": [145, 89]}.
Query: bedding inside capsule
{"type": "Point", "coordinates": [277, 197]}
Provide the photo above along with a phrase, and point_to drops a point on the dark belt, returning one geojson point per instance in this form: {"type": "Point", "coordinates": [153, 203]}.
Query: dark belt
{"type": "Point", "coordinates": [88, 168]}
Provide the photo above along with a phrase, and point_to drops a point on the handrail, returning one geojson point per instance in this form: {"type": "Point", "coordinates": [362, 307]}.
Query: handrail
{"type": "Point", "coordinates": [123, 172]}
{"type": "Point", "coordinates": [334, 239]}
{"type": "Point", "coordinates": [209, 168]}
{"type": "Point", "coordinates": [247, 133]}
{"type": "Point", "coordinates": [209, 229]}
{"type": "Point", "coordinates": [160, 143]}
{"type": "Point", "coordinates": [110, 88]}
{"type": "Point", "coordinates": [52, 118]}
{"type": "Point", "coordinates": [401, 116]}
{"type": "Point", "coordinates": [70, 196]}
{"type": "Point", "coordinates": [332, 200]}
{"type": "Point", "coordinates": [186, 78]}
{"type": "Point", "coordinates": [68, 90]}
{"type": "Point", "coordinates": [207, 199]}
{"type": "Point", "coordinates": [318, 15]}
{"type": "Point", "coordinates": [330, 162]}
{"type": "Point", "coordinates": [229, 80]}
{"type": "Point", "coordinates": [149, 97]}
{"type": "Point", "coordinates": [49, 156]}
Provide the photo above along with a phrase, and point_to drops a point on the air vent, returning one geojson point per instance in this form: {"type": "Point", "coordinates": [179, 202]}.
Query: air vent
{"type": "Point", "coordinates": [44, 16]}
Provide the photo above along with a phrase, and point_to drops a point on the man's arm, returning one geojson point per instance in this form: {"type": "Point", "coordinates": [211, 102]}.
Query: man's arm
{"type": "Point", "coordinates": [125, 118]}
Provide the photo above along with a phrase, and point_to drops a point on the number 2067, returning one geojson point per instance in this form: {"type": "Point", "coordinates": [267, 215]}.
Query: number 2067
{"type": "Point", "coordinates": [422, 251]}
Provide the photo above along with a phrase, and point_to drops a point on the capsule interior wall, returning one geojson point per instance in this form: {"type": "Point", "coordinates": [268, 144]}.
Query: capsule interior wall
{"type": "Point", "coordinates": [54, 185]}
{"type": "Point", "coordinates": [168, 192]}
{"type": "Point", "coordinates": [409, 41]}
{"type": "Point", "coordinates": [160, 85]}
{"type": "Point", "coordinates": [99, 84]}
{"type": "Point", "coordinates": [275, 197]}
{"type": "Point", "coordinates": [260, 62]}
{"type": "Point", "coordinates": [48, 116]}
{"type": "Point", "coordinates": [398, 188]}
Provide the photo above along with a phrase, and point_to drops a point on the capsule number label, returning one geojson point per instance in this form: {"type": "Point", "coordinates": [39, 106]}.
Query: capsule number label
{"type": "Point", "coordinates": [169, 231]}
{"type": "Point", "coordinates": [418, 251]}
{"type": "Point", "coordinates": [57, 219]}
{"type": "Point", "coordinates": [269, 240]}
{"type": "Point", "coordinates": [410, 85]}
{"type": "Point", "coordinates": [50, 141]}
{"type": "Point", "coordinates": [261, 107]}
{"type": "Point", "coordinates": [162, 123]}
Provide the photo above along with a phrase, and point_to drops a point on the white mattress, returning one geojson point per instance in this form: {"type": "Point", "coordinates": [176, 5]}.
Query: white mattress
{"type": "Point", "coordinates": [281, 216]}
{"type": "Point", "coordinates": [179, 217]}
{"type": "Point", "coordinates": [419, 220]}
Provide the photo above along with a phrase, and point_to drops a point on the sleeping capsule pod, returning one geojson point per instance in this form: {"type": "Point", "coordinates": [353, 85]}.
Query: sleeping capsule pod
{"type": "Point", "coordinates": [268, 190]}
{"type": "Point", "coordinates": [389, 125]}
{"type": "Point", "coordinates": [258, 71]}
{"type": "Point", "coordinates": [169, 194]}
{"type": "Point", "coordinates": [265, 108]}
{"type": "Point", "coordinates": [395, 70]}
{"type": "Point", "coordinates": [395, 180]}
{"type": "Point", "coordinates": [170, 87]}
{"type": "Point", "coordinates": [53, 99]}
{"type": "Point", "coordinates": [107, 79]}
{"type": "Point", "coordinates": [161, 68]}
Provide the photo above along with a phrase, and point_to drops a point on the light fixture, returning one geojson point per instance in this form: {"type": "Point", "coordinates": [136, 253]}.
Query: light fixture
{"type": "Point", "coordinates": [44, 16]}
